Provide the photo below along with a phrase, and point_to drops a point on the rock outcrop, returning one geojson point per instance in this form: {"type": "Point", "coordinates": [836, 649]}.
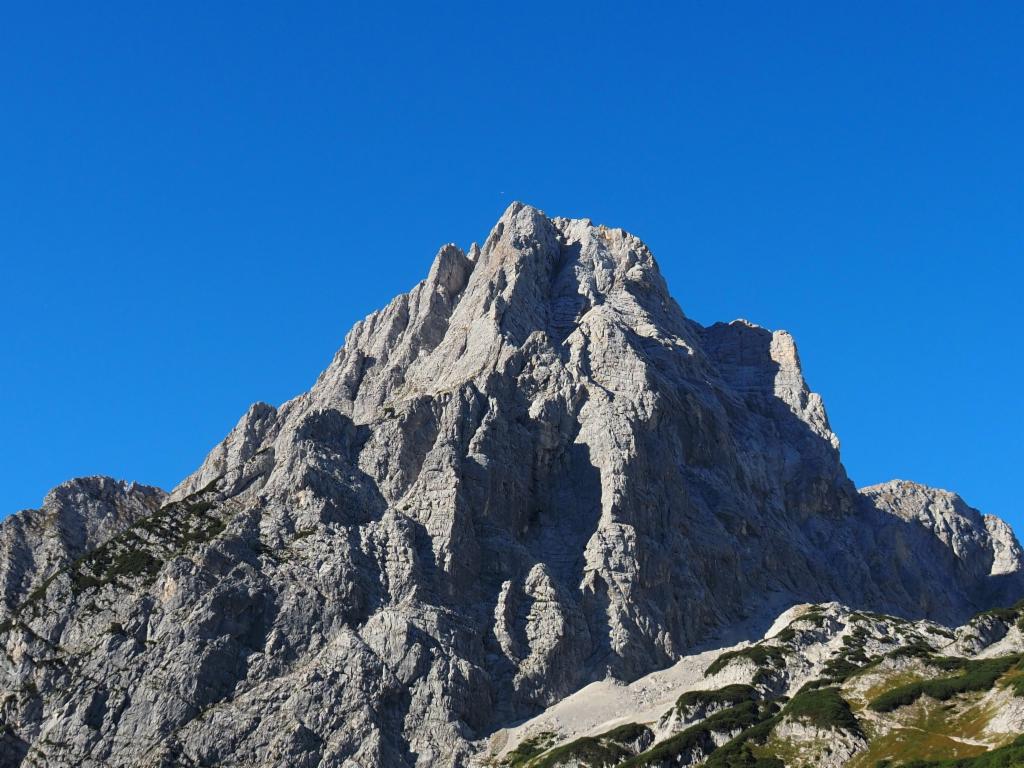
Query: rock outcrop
{"type": "Point", "coordinates": [826, 686]}
{"type": "Point", "coordinates": [530, 472]}
{"type": "Point", "coordinates": [76, 517]}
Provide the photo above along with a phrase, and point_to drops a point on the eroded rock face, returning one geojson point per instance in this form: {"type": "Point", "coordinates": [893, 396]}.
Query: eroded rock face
{"type": "Point", "coordinates": [975, 555]}
{"type": "Point", "coordinates": [76, 517]}
{"type": "Point", "coordinates": [528, 473]}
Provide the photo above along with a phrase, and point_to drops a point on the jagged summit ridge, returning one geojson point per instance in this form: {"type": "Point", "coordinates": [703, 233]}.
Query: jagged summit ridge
{"type": "Point", "coordinates": [556, 279]}
{"type": "Point", "coordinates": [530, 472]}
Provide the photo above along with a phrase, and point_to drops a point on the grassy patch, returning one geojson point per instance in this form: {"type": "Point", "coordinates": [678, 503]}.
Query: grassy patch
{"type": "Point", "coordinates": [904, 744]}
{"type": "Point", "coordinates": [1011, 755]}
{"type": "Point", "coordinates": [1015, 680]}
{"type": "Point", "coordinates": [1004, 757]}
{"type": "Point", "coordinates": [976, 675]}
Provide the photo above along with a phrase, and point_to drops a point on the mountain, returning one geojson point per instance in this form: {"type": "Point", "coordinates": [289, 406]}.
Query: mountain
{"type": "Point", "coordinates": [529, 473]}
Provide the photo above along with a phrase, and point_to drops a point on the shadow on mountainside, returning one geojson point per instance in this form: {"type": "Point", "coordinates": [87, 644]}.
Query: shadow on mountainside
{"type": "Point", "coordinates": [867, 552]}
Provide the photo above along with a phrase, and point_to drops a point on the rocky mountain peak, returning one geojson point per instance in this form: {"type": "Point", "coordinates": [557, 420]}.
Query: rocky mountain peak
{"type": "Point", "coordinates": [982, 542]}
{"type": "Point", "coordinates": [530, 472]}
{"type": "Point", "coordinates": [535, 277]}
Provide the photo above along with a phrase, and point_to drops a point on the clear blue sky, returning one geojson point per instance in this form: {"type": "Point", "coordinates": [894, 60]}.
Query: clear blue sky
{"type": "Point", "coordinates": [198, 199]}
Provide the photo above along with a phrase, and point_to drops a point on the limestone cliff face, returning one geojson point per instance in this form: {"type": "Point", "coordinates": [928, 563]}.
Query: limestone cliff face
{"type": "Point", "coordinates": [974, 544]}
{"type": "Point", "coordinates": [76, 517]}
{"type": "Point", "coordinates": [529, 472]}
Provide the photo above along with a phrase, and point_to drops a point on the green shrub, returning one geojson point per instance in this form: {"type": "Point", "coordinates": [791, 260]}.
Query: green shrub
{"type": "Point", "coordinates": [203, 531]}
{"type": "Point", "coordinates": [785, 635]}
{"type": "Point", "coordinates": [760, 655]}
{"type": "Point", "coordinates": [134, 562]}
{"type": "Point", "coordinates": [627, 733]}
{"type": "Point", "coordinates": [80, 582]}
{"type": "Point", "coordinates": [142, 548]}
{"type": "Point", "coordinates": [609, 748]}
{"type": "Point", "coordinates": [815, 616]}
{"type": "Point", "coordinates": [1017, 686]}
{"type": "Point", "coordinates": [875, 616]}
{"type": "Point", "coordinates": [1002, 614]}
{"type": "Point", "coordinates": [589, 751]}
{"type": "Point", "coordinates": [841, 669]}
{"type": "Point", "coordinates": [198, 507]}
{"type": "Point", "coordinates": [947, 663]}
{"type": "Point", "coordinates": [730, 694]}
{"type": "Point", "coordinates": [917, 649]}
{"type": "Point", "coordinates": [823, 708]}
{"type": "Point", "coordinates": [738, 718]}
{"type": "Point", "coordinates": [1013, 614]}
{"type": "Point", "coordinates": [737, 753]}
{"type": "Point", "coordinates": [527, 749]}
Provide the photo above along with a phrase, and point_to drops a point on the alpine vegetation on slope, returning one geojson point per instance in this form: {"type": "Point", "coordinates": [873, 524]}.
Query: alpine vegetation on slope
{"type": "Point", "coordinates": [827, 686]}
{"type": "Point", "coordinates": [76, 517]}
{"type": "Point", "coordinates": [530, 473]}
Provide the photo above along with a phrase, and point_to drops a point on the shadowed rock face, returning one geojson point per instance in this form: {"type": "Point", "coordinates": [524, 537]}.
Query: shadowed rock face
{"type": "Point", "coordinates": [529, 472]}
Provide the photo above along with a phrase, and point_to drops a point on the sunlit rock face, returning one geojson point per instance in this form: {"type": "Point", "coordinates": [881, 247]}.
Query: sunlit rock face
{"type": "Point", "coordinates": [530, 472]}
